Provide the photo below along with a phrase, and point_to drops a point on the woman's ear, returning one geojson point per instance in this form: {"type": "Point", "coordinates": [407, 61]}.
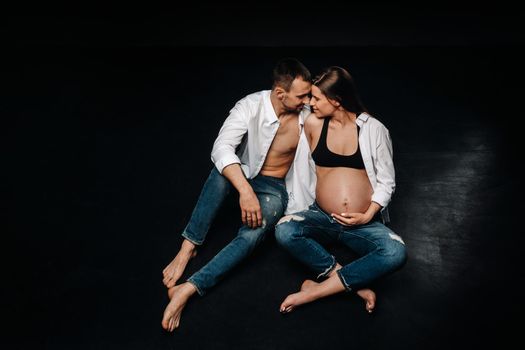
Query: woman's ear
{"type": "Point", "coordinates": [334, 103]}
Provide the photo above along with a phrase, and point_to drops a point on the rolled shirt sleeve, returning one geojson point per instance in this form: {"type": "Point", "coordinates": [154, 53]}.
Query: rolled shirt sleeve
{"type": "Point", "coordinates": [384, 168]}
{"type": "Point", "coordinates": [230, 136]}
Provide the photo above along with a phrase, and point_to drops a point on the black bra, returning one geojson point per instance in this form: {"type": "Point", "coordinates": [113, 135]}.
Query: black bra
{"type": "Point", "coordinates": [322, 156]}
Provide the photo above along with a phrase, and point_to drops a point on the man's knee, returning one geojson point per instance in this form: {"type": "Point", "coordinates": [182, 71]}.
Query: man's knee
{"type": "Point", "coordinates": [287, 229]}
{"type": "Point", "coordinates": [251, 237]}
{"type": "Point", "coordinates": [272, 207]}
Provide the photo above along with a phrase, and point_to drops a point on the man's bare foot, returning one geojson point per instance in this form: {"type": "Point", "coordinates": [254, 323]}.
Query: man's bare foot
{"type": "Point", "coordinates": [369, 297]}
{"type": "Point", "coordinates": [176, 267]}
{"type": "Point", "coordinates": [179, 297]}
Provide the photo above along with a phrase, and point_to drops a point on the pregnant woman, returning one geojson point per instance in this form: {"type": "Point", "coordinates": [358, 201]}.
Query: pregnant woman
{"type": "Point", "coordinates": [352, 152]}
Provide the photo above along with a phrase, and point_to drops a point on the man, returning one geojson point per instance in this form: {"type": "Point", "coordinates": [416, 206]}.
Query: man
{"type": "Point", "coordinates": [257, 153]}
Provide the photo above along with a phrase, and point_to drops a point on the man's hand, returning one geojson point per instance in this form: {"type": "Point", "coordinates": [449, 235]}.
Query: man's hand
{"type": "Point", "coordinates": [251, 214]}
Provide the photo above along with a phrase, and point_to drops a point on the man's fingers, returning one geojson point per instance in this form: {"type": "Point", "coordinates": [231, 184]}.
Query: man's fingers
{"type": "Point", "coordinates": [256, 220]}
{"type": "Point", "coordinates": [244, 214]}
{"type": "Point", "coordinates": [252, 218]}
{"type": "Point", "coordinates": [249, 220]}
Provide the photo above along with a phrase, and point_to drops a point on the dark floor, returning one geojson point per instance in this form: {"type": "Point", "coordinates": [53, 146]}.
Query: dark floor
{"type": "Point", "coordinates": [106, 152]}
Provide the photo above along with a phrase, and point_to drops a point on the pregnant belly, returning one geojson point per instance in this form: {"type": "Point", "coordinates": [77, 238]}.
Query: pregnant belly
{"type": "Point", "coordinates": [343, 190]}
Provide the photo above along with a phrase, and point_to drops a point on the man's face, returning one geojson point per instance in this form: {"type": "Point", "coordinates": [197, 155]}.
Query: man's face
{"type": "Point", "coordinates": [298, 96]}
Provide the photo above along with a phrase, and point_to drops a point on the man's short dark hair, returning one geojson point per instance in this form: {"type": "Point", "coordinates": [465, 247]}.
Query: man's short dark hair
{"type": "Point", "coordinates": [288, 69]}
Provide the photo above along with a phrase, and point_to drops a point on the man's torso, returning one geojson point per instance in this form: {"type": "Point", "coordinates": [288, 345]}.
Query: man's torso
{"type": "Point", "coordinates": [282, 150]}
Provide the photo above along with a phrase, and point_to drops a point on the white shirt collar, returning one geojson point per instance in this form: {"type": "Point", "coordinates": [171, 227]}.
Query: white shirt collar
{"type": "Point", "coordinates": [268, 105]}
{"type": "Point", "coordinates": [362, 118]}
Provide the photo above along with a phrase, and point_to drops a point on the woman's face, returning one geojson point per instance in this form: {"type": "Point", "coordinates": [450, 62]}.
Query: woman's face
{"type": "Point", "coordinates": [320, 104]}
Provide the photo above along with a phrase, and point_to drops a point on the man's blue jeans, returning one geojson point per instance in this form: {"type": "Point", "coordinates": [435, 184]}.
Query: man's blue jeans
{"type": "Point", "coordinates": [381, 251]}
{"type": "Point", "coordinates": [273, 199]}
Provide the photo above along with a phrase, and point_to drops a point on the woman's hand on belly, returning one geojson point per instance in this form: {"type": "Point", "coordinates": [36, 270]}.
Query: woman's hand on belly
{"type": "Point", "coordinates": [351, 219]}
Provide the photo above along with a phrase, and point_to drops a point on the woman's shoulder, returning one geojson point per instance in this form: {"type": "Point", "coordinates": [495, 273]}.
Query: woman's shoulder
{"type": "Point", "coordinates": [312, 124]}
{"type": "Point", "coordinates": [312, 121]}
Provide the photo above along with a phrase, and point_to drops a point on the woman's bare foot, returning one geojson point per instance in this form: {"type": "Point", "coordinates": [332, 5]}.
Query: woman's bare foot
{"type": "Point", "coordinates": [301, 297]}
{"type": "Point", "coordinates": [294, 300]}
{"type": "Point", "coordinates": [334, 270]}
{"type": "Point", "coordinates": [367, 294]}
{"type": "Point", "coordinates": [179, 297]}
{"type": "Point", "coordinates": [311, 291]}
{"type": "Point", "coordinates": [369, 297]}
{"type": "Point", "coordinates": [176, 267]}
{"type": "Point", "coordinates": [307, 284]}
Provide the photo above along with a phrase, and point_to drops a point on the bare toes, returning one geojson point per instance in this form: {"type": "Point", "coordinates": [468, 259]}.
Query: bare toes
{"type": "Point", "coordinates": [285, 310]}
{"type": "Point", "coordinates": [370, 306]}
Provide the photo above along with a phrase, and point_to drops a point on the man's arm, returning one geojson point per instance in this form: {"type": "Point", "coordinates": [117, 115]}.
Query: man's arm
{"type": "Point", "coordinates": [230, 136]}
{"type": "Point", "coordinates": [251, 214]}
{"type": "Point", "coordinates": [228, 163]}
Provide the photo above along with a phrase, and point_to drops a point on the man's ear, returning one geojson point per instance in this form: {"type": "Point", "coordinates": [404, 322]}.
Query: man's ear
{"type": "Point", "coordinates": [280, 93]}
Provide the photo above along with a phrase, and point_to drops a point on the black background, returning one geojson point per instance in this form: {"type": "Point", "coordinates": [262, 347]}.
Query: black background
{"type": "Point", "coordinates": [108, 118]}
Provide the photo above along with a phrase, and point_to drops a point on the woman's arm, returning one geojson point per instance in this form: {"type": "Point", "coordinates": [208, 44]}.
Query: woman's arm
{"type": "Point", "coordinates": [384, 167]}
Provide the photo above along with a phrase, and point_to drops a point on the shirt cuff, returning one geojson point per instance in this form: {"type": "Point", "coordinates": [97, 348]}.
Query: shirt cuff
{"type": "Point", "coordinates": [381, 198]}
{"type": "Point", "coordinates": [226, 160]}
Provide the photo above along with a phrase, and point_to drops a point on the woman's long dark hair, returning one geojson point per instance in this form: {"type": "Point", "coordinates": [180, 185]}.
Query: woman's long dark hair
{"type": "Point", "coordinates": [337, 84]}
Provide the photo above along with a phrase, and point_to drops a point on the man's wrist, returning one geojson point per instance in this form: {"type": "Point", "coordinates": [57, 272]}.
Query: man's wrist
{"type": "Point", "coordinates": [245, 189]}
